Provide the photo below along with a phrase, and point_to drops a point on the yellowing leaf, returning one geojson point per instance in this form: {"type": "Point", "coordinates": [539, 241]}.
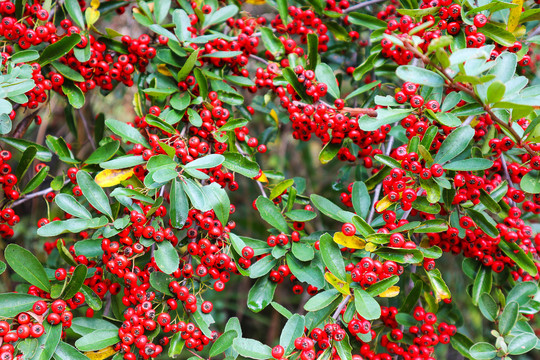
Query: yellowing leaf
{"type": "Point", "coordinates": [475, 122]}
{"type": "Point", "coordinates": [162, 69]}
{"type": "Point", "coordinates": [95, 4]}
{"type": "Point", "coordinates": [262, 178]}
{"type": "Point", "coordinates": [383, 204]}
{"type": "Point", "coordinates": [340, 286]}
{"type": "Point", "coordinates": [274, 116]}
{"type": "Point", "coordinates": [100, 354]}
{"type": "Point", "coordinates": [515, 13]}
{"type": "Point", "coordinates": [352, 242]}
{"type": "Point", "coordinates": [91, 15]}
{"type": "Point", "coordinates": [390, 292]}
{"type": "Point", "coordinates": [256, 2]}
{"type": "Point", "coordinates": [371, 247]}
{"type": "Point", "coordinates": [110, 177]}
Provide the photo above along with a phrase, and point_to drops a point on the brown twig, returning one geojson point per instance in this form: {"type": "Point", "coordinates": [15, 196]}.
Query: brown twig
{"type": "Point", "coordinates": [23, 125]}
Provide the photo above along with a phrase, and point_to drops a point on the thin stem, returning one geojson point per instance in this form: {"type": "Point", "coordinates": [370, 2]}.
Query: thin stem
{"type": "Point", "coordinates": [34, 195]}
{"type": "Point", "coordinates": [87, 129]}
{"type": "Point", "coordinates": [361, 5]}
{"type": "Point", "coordinates": [259, 59]}
{"type": "Point", "coordinates": [379, 186]}
{"type": "Point", "coordinates": [340, 307]}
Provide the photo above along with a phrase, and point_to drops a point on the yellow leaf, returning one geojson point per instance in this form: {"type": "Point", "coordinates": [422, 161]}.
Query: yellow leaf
{"type": "Point", "coordinates": [110, 177]}
{"type": "Point", "coordinates": [262, 178]}
{"type": "Point", "coordinates": [256, 2]}
{"type": "Point", "coordinates": [474, 122]}
{"type": "Point", "coordinates": [95, 4]}
{"type": "Point", "coordinates": [340, 286]}
{"type": "Point", "coordinates": [383, 204]}
{"type": "Point", "coordinates": [100, 354]}
{"type": "Point", "coordinates": [274, 116]}
{"type": "Point", "coordinates": [91, 15]}
{"type": "Point", "coordinates": [515, 14]}
{"type": "Point", "coordinates": [162, 69]}
{"type": "Point", "coordinates": [352, 242]}
{"type": "Point", "coordinates": [371, 247]}
{"type": "Point", "coordinates": [390, 292]}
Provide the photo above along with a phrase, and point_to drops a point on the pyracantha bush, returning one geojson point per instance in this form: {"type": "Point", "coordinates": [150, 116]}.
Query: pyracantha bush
{"type": "Point", "coordinates": [141, 236]}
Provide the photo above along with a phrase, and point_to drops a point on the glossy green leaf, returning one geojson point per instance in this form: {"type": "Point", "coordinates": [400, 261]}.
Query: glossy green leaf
{"type": "Point", "coordinates": [321, 300]}
{"type": "Point", "coordinates": [419, 76]}
{"type": "Point", "coordinates": [454, 144]}
{"type": "Point", "coordinates": [482, 284]}
{"type": "Point", "coordinates": [27, 266]}
{"type": "Point", "coordinates": [15, 303]}
{"type": "Point", "coordinates": [483, 351]}
{"type": "Point", "coordinates": [332, 257]}
{"type": "Point", "coordinates": [271, 214]}
{"type": "Point", "coordinates": [48, 342]}
{"type": "Point", "coordinates": [271, 42]}
{"type": "Point", "coordinates": [325, 74]}
{"type": "Point", "coordinates": [126, 132]}
{"type": "Point", "coordinates": [293, 329]}
{"type": "Point", "coordinates": [65, 351]}
{"type": "Point", "coordinates": [530, 183]}
{"type": "Point", "coordinates": [58, 49]}
{"type": "Point", "coordinates": [75, 282]}
{"type": "Point", "coordinates": [240, 164]}
{"type": "Point", "coordinates": [488, 307]}
{"type": "Point", "coordinates": [252, 349]}
{"type": "Point", "coordinates": [97, 340]}
{"type": "Point", "coordinates": [366, 305]}
{"type": "Point", "coordinates": [166, 257]}
{"type": "Point", "coordinates": [522, 344]}
{"type": "Point", "coordinates": [94, 193]}
{"type": "Point", "coordinates": [514, 252]}
{"type": "Point", "coordinates": [71, 206]}
{"type": "Point", "coordinates": [223, 342]}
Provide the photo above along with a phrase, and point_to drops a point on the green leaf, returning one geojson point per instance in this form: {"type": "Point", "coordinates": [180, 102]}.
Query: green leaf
{"type": "Point", "coordinates": [92, 299]}
{"type": "Point", "coordinates": [301, 215]}
{"type": "Point", "coordinates": [330, 209]}
{"type": "Point", "coordinates": [15, 303]}
{"type": "Point", "coordinates": [481, 219]}
{"type": "Point", "coordinates": [220, 15]}
{"type": "Point", "coordinates": [462, 344]}
{"type": "Point", "coordinates": [514, 252]}
{"type": "Point", "coordinates": [404, 256]}
{"type": "Point", "coordinates": [448, 119]}
{"type": "Point", "coordinates": [271, 214]}
{"type": "Point", "coordinates": [3, 267]}
{"type": "Point", "coordinates": [218, 201]}
{"type": "Point", "coordinates": [482, 284]}
{"type": "Point", "coordinates": [36, 180]}
{"type": "Point", "coordinates": [166, 257]}
{"type": "Point", "coordinates": [473, 164]}
{"type": "Point", "coordinates": [251, 348]}
{"type": "Point", "coordinates": [84, 326]}
{"type": "Point", "coordinates": [55, 228]}
{"type": "Point", "coordinates": [384, 117]}
{"type": "Point", "coordinates": [329, 152]}
{"type": "Point", "coordinates": [498, 34]}
{"type": "Point", "coordinates": [240, 164]}
{"type": "Point", "coordinates": [530, 183]}
{"type": "Point", "coordinates": [292, 79]}
{"type": "Point", "coordinates": [293, 329]}
{"type": "Point", "coordinates": [454, 144]}
{"type": "Point", "coordinates": [24, 56]}
{"type": "Point", "coordinates": [280, 188]}
{"type": "Point", "coordinates": [440, 289]}
{"type": "Point", "coordinates": [509, 317]}
{"type": "Point", "coordinates": [360, 199]}
{"type": "Point", "coordinates": [362, 226]}
{"type": "Point", "coordinates": [363, 89]}
{"type": "Point", "coordinates": [419, 76]}
{"type": "Point", "coordinates": [313, 51]}
{"type": "Point", "coordinates": [48, 342]}
{"type": "Point", "coordinates": [206, 162]}
{"type": "Point", "coordinates": [76, 281]}
{"type": "Point", "coordinates": [283, 11]}
{"type": "Point", "coordinates": [123, 162]}
{"type": "Point", "coordinates": [482, 351]}
{"type": "Point", "coordinates": [302, 251]}
{"type": "Point", "coordinates": [271, 42]}
{"type": "Point", "coordinates": [489, 202]}
{"type": "Point", "coordinates": [21, 145]}
{"type": "Point", "coordinates": [103, 153]}
{"type": "Point", "coordinates": [522, 292]}
{"type": "Point", "coordinates": [181, 22]}
{"type": "Point", "coordinates": [305, 273]}
{"type": "Point", "coordinates": [161, 9]}
{"type": "Point", "coordinates": [58, 49]}
{"type": "Point", "coordinates": [27, 266]}
{"type": "Point", "coordinates": [74, 10]}
{"type": "Point", "coordinates": [71, 206]}
{"type": "Point", "coordinates": [176, 345]}
{"type": "Point", "coordinates": [366, 305]}
{"type": "Point", "coordinates": [381, 286]}
{"type": "Point", "coordinates": [325, 74]}
{"type": "Point", "coordinates": [26, 160]}
{"type": "Point", "coordinates": [522, 344]}
{"type": "Point", "coordinates": [368, 21]}
{"type": "Point", "coordinates": [178, 212]}
{"type": "Point", "coordinates": [223, 342]}
{"type": "Point", "coordinates": [64, 351]}
{"type": "Point", "coordinates": [331, 256]}
{"type": "Point", "coordinates": [188, 66]}
{"type": "Point", "coordinates": [321, 300]}
{"type": "Point", "coordinates": [97, 340]}
{"type": "Point", "coordinates": [495, 92]}
{"type": "Point", "coordinates": [94, 193]}
{"type": "Point", "coordinates": [488, 307]}
{"type": "Point", "coordinates": [126, 132]}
